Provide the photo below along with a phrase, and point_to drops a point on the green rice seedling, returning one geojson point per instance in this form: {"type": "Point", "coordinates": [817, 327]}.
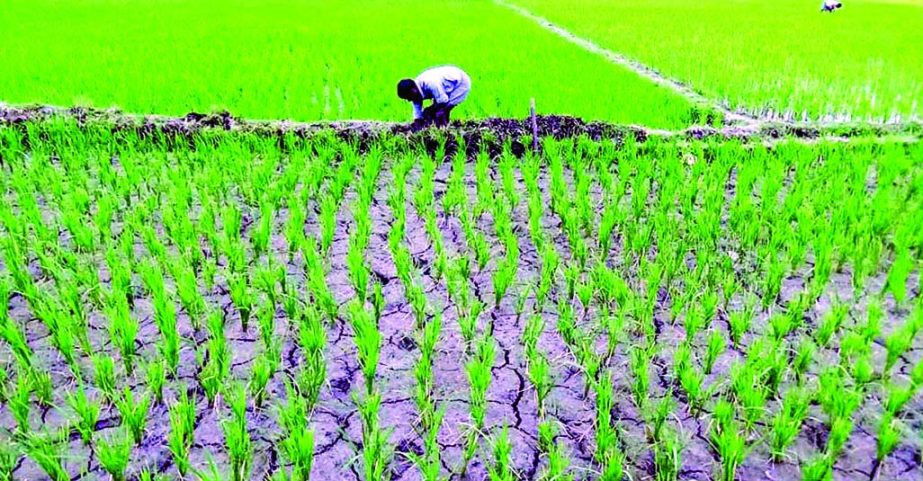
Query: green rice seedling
{"type": "Point", "coordinates": [831, 324]}
{"type": "Point", "coordinates": [607, 454]}
{"type": "Point", "coordinates": [804, 356]}
{"type": "Point", "coordinates": [123, 330]}
{"type": "Point", "coordinates": [169, 343]}
{"type": "Point", "coordinates": [216, 365]}
{"type": "Point", "coordinates": [558, 464]}
{"type": "Point", "coordinates": [897, 397]}
{"type": "Point", "coordinates": [242, 297]}
{"type": "Point", "coordinates": [605, 434]}
{"type": "Point", "coordinates": [156, 375]}
{"type": "Point", "coordinates": [134, 413]}
{"type": "Point", "coordinates": [658, 416]}
{"type": "Point", "coordinates": [889, 436]}
{"type": "Point", "coordinates": [501, 469]}
{"type": "Point", "coordinates": [20, 404]}
{"type": "Point", "coordinates": [298, 448]}
{"type": "Point", "coordinates": [567, 324]}
{"type": "Point", "coordinates": [896, 345]}
{"type": "Point", "coordinates": [368, 342]}
{"type": "Point", "coordinates": [615, 331]}
{"type": "Point", "coordinates": [739, 323]}
{"type": "Point", "coordinates": [749, 391]}
{"type": "Point", "coordinates": [787, 422]}
{"type": "Point", "coordinates": [780, 325]}
{"type": "Point", "coordinates": [731, 446]}
{"type": "Point", "coordinates": [640, 370]}
{"type": "Point", "coordinates": [87, 412]}
{"type": "Point", "coordinates": [423, 371]}
{"type": "Point", "coordinates": [182, 429]}
{"type": "Point", "coordinates": [429, 463]}
{"type": "Point", "coordinates": [872, 328]}
{"type": "Point", "coordinates": [539, 373]}
{"type": "Point", "coordinates": [42, 386]}
{"type": "Point", "coordinates": [114, 454]}
{"type": "Point", "coordinates": [104, 378]}
{"type": "Point", "coordinates": [188, 289]}
{"type": "Point", "coordinates": [310, 378]}
{"type": "Point", "coordinates": [294, 412]}
{"type": "Point", "coordinates": [358, 271]}
{"type": "Point", "coordinates": [266, 318]}
{"type": "Point", "coordinates": [715, 347]}
{"type": "Point", "coordinates": [547, 431]}
{"type": "Point", "coordinates": [901, 267]}
{"type": "Point", "coordinates": [503, 279]}
{"type": "Point", "coordinates": [259, 236]}
{"type": "Point", "coordinates": [327, 219]}
{"type": "Point", "coordinates": [479, 377]}
{"type": "Point", "coordinates": [692, 381]}
{"type": "Point", "coordinates": [819, 467]}
{"type": "Point", "coordinates": [840, 429]}
{"type": "Point", "coordinates": [9, 457]}
{"type": "Point", "coordinates": [45, 450]}
{"type": "Point", "coordinates": [213, 473]}
{"type": "Point", "coordinates": [668, 456]}
{"type": "Point", "coordinates": [236, 437]}
{"type": "Point", "coordinates": [377, 452]}
{"type": "Point", "coordinates": [263, 369]}
{"type": "Point", "coordinates": [15, 338]}
{"type": "Point", "coordinates": [378, 301]}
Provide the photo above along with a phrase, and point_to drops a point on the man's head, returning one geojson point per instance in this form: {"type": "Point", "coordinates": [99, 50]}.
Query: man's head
{"type": "Point", "coordinates": [407, 89]}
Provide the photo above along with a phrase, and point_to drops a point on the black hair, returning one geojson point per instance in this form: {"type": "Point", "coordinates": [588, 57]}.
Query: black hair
{"type": "Point", "coordinates": [407, 89]}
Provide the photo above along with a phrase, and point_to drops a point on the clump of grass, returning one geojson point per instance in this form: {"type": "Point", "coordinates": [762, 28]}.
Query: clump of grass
{"type": "Point", "coordinates": [501, 469]}
{"type": "Point", "coordinates": [729, 441]}
{"type": "Point", "coordinates": [263, 369]}
{"type": "Point", "coordinates": [377, 452]}
{"type": "Point", "coordinates": [156, 375]}
{"type": "Point", "coordinates": [479, 379]}
{"type": "Point", "coordinates": [114, 454]}
{"type": "Point", "coordinates": [87, 412]}
{"type": "Point", "coordinates": [105, 375]}
{"type": "Point", "coordinates": [9, 457]}
{"type": "Point", "coordinates": [20, 404]}
{"type": "Point", "coordinates": [236, 437]}
{"type": "Point", "coordinates": [312, 339]}
{"type": "Point", "coordinates": [668, 455]}
{"type": "Point", "coordinates": [368, 343]}
{"type": "Point", "coordinates": [45, 449]}
{"type": "Point", "coordinates": [182, 429]}
{"type": "Point", "coordinates": [786, 424]}
{"type": "Point", "coordinates": [134, 413]}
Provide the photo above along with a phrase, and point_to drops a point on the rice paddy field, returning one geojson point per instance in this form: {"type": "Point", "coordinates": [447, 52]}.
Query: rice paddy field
{"type": "Point", "coordinates": [781, 57]}
{"type": "Point", "coordinates": [628, 295]}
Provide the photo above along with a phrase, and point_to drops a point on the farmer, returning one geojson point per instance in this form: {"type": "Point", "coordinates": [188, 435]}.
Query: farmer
{"type": "Point", "coordinates": [447, 86]}
{"type": "Point", "coordinates": [830, 5]}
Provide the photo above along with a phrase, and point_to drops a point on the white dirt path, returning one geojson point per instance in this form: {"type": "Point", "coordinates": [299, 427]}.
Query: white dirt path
{"type": "Point", "coordinates": [644, 71]}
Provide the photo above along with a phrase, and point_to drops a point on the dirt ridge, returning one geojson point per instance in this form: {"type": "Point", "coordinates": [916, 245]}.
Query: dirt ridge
{"type": "Point", "coordinates": [493, 130]}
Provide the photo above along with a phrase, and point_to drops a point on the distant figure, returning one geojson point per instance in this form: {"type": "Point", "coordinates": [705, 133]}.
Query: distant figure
{"type": "Point", "coordinates": [830, 5]}
{"type": "Point", "coordinates": [446, 86]}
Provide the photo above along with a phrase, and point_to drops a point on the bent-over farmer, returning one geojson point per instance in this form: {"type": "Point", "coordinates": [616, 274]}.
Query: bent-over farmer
{"type": "Point", "coordinates": [830, 5]}
{"type": "Point", "coordinates": [447, 86]}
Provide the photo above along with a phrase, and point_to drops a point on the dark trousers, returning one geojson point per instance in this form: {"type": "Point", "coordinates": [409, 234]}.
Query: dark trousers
{"type": "Point", "coordinates": [437, 114]}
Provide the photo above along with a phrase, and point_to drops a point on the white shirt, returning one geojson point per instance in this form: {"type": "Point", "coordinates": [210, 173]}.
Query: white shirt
{"type": "Point", "coordinates": [445, 85]}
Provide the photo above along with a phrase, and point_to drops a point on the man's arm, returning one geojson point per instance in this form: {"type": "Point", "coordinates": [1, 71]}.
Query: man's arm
{"type": "Point", "coordinates": [417, 110]}
{"type": "Point", "coordinates": [439, 95]}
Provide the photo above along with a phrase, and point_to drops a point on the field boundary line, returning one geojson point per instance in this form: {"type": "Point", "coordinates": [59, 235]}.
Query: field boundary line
{"type": "Point", "coordinates": [767, 133]}
{"type": "Point", "coordinates": [645, 71]}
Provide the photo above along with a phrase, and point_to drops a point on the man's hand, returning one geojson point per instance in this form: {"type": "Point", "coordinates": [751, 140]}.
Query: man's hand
{"type": "Point", "coordinates": [429, 113]}
{"type": "Point", "coordinates": [417, 124]}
